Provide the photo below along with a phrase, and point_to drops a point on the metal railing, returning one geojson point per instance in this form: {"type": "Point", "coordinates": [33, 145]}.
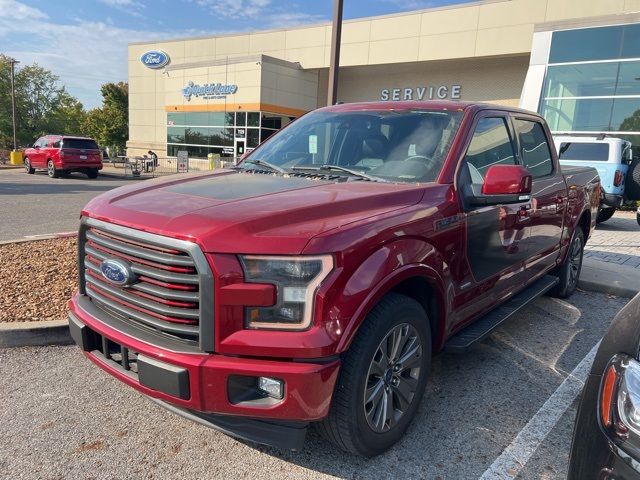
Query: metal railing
{"type": "Point", "coordinates": [147, 167]}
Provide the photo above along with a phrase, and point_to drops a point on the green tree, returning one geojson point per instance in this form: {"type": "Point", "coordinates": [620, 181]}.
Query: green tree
{"type": "Point", "coordinates": [42, 105]}
{"type": "Point", "coordinates": [632, 123]}
{"type": "Point", "coordinates": [109, 124]}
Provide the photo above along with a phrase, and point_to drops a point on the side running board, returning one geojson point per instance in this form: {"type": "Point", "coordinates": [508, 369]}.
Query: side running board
{"type": "Point", "coordinates": [481, 328]}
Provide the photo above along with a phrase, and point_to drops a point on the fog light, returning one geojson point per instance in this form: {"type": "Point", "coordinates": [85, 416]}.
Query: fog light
{"type": "Point", "coordinates": [272, 387]}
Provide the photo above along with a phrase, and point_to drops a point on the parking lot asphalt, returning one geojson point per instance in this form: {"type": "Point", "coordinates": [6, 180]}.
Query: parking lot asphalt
{"type": "Point", "coordinates": [62, 417]}
{"type": "Point", "coordinates": [37, 205]}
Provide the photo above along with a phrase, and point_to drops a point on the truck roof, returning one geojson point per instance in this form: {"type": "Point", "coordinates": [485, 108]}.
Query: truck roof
{"type": "Point", "coordinates": [588, 139]}
{"type": "Point", "coordinates": [423, 105]}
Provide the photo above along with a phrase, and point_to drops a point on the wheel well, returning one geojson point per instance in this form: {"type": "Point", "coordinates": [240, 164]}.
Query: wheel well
{"type": "Point", "coordinates": [585, 223]}
{"type": "Point", "coordinates": [421, 290]}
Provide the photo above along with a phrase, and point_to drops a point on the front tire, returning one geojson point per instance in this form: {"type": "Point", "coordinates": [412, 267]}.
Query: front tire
{"type": "Point", "coordinates": [605, 214]}
{"type": "Point", "coordinates": [382, 379]}
{"type": "Point", "coordinates": [52, 171]}
{"type": "Point", "coordinates": [569, 271]}
{"type": "Point", "coordinates": [27, 166]}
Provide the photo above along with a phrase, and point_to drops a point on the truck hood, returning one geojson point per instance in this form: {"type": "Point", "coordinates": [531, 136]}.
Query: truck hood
{"type": "Point", "coordinates": [237, 212]}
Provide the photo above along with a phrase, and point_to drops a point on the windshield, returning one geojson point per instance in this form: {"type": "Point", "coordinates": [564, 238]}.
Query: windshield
{"type": "Point", "coordinates": [598, 152]}
{"type": "Point", "coordinates": [401, 146]}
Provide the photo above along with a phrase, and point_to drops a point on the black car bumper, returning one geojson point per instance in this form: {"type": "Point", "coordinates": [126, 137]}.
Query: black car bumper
{"type": "Point", "coordinates": [611, 200]}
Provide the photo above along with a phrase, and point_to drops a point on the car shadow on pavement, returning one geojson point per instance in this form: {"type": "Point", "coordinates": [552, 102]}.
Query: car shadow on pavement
{"type": "Point", "coordinates": [51, 189]}
{"type": "Point", "coordinates": [476, 404]}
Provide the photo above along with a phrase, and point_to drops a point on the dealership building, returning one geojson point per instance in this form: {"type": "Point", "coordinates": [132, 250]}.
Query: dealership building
{"type": "Point", "coordinates": [577, 62]}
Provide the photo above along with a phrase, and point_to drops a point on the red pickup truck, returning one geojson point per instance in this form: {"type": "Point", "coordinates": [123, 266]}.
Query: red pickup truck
{"type": "Point", "coordinates": [314, 282]}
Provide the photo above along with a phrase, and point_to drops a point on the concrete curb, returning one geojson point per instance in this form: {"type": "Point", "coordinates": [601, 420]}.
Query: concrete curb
{"type": "Point", "coordinates": [24, 334]}
{"type": "Point", "coordinates": [35, 238]}
{"type": "Point", "coordinates": [605, 277]}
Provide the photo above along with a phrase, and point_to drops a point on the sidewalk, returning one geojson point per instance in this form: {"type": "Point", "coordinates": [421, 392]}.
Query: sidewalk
{"type": "Point", "coordinates": [616, 241]}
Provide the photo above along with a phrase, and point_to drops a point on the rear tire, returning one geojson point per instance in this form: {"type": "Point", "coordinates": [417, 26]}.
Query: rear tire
{"type": "Point", "coordinates": [380, 387]}
{"type": "Point", "coordinates": [52, 171]}
{"type": "Point", "coordinates": [632, 182]}
{"type": "Point", "coordinates": [92, 172]}
{"type": "Point", "coordinates": [569, 271]}
{"type": "Point", "coordinates": [605, 214]}
{"type": "Point", "coordinates": [27, 166]}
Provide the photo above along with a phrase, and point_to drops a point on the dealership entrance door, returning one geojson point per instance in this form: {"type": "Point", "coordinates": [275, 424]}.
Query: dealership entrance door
{"type": "Point", "coordinates": [240, 147]}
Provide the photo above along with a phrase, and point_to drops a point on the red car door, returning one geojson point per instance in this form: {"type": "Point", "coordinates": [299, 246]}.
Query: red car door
{"type": "Point", "coordinates": [36, 154]}
{"type": "Point", "coordinates": [548, 194]}
{"type": "Point", "coordinates": [496, 235]}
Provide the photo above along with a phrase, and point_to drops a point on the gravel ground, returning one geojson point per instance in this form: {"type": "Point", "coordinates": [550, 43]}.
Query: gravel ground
{"type": "Point", "coordinates": [37, 279]}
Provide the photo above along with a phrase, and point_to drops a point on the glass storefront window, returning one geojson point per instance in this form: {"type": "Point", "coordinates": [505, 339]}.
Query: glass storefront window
{"type": "Point", "coordinates": [253, 137]}
{"type": "Point", "coordinates": [600, 43]}
{"type": "Point", "coordinates": [175, 118]}
{"type": "Point", "coordinates": [569, 114]}
{"type": "Point", "coordinates": [197, 136]}
{"type": "Point", "coordinates": [585, 44]}
{"type": "Point", "coordinates": [175, 135]}
{"type": "Point", "coordinates": [583, 80]}
{"type": "Point", "coordinates": [221, 136]}
{"type": "Point", "coordinates": [628, 78]}
{"type": "Point", "coordinates": [271, 121]}
{"type": "Point", "coordinates": [199, 119]}
{"type": "Point", "coordinates": [266, 133]}
{"type": "Point", "coordinates": [626, 115]}
{"type": "Point", "coordinates": [253, 119]}
{"type": "Point", "coordinates": [241, 119]}
{"type": "Point", "coordinates": [630, 41]}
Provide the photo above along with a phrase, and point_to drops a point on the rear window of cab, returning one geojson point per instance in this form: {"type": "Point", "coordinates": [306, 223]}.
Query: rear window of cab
{"type": "Point", "coordinates": [598, 152]}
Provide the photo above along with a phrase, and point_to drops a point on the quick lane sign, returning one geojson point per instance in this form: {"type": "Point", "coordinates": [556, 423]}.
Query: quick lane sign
{"type": "Point", "coordinates": [208, 90]}
{"type": "Point", "coordinates": [441, 92]}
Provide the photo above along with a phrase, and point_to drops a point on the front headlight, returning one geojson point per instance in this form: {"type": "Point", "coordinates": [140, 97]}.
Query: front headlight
{"type": "Point", "coordinates": [296, 279]}
{"type": "Point", "coordinates": [619, 403]}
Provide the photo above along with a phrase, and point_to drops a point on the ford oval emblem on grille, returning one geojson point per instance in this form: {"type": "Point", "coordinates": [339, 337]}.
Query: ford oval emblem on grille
{"type": "Point", "coordinates": [117, 272]}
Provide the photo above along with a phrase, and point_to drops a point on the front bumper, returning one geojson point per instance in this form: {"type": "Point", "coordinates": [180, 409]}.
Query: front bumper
{"type": "Point", "coordinates": [197, 383]}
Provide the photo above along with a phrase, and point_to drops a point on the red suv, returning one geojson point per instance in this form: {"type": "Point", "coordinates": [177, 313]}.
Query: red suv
{"type": "Point", "coordinates": [60, 155]}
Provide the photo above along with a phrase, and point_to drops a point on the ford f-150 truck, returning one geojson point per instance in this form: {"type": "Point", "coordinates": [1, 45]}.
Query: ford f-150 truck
{"type": "Point", "coordinates": [313, 282]}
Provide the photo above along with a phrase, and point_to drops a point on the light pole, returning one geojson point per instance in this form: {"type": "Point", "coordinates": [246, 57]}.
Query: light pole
{"type": "Point", "coordinates": [334, 66]}
{"type": "Point", "coordinates": [13, 62]}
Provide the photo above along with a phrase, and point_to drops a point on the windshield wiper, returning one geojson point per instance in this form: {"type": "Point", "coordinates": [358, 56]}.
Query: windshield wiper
{"type": "Point", "coordinates": [338, 168]}
{"type": "Point", "coordinates": [262, 163]}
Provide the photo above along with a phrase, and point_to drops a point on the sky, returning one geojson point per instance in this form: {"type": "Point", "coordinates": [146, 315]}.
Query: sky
{"type": "Point", "coordinates": [84, 42]}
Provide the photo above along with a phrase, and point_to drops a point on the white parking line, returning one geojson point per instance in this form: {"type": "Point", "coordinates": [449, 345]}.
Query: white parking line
{"type": "Point", "coordinates": [518, 453]}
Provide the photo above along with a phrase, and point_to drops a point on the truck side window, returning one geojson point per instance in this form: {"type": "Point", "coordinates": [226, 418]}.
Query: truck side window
{"type": "Point", "coordinates": [536, 155]}
{"type": "Point", "coordinates": [490, 145]}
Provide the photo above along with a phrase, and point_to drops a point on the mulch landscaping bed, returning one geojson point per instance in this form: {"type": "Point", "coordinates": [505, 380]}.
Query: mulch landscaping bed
{"type": "Point", "coordinates": [36, 279]}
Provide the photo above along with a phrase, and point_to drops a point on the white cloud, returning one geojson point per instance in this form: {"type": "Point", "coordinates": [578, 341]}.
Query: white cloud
{"type": "Point", "coordinates": [83, 54]}
{"type": "Point", "coordinates": [238, 8]}
{"type": "Point", "coordinates": [12, 10]}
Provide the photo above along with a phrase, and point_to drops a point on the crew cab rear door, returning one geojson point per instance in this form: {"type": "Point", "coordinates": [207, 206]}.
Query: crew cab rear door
{"type": "Point", "coordinates": [497, 234]}
{"type": "Point", "coordinates": [548, 192]}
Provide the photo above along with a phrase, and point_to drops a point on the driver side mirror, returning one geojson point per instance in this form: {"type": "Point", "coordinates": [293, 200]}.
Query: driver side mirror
{"type": "Point", "coordinates": [504, 184]}
{"type": "Point", "coordinates": [36, 146]}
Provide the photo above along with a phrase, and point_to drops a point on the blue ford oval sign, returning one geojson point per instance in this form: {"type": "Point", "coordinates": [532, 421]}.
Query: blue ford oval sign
{"type": "Point", "coordinates": [117, 272]}
{"type": "Point", "coordinates": [154, 59]}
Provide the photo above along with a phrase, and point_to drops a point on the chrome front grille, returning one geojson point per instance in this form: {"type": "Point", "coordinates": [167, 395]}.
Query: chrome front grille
{"type": "Point", "coordinates": [166, 293]}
